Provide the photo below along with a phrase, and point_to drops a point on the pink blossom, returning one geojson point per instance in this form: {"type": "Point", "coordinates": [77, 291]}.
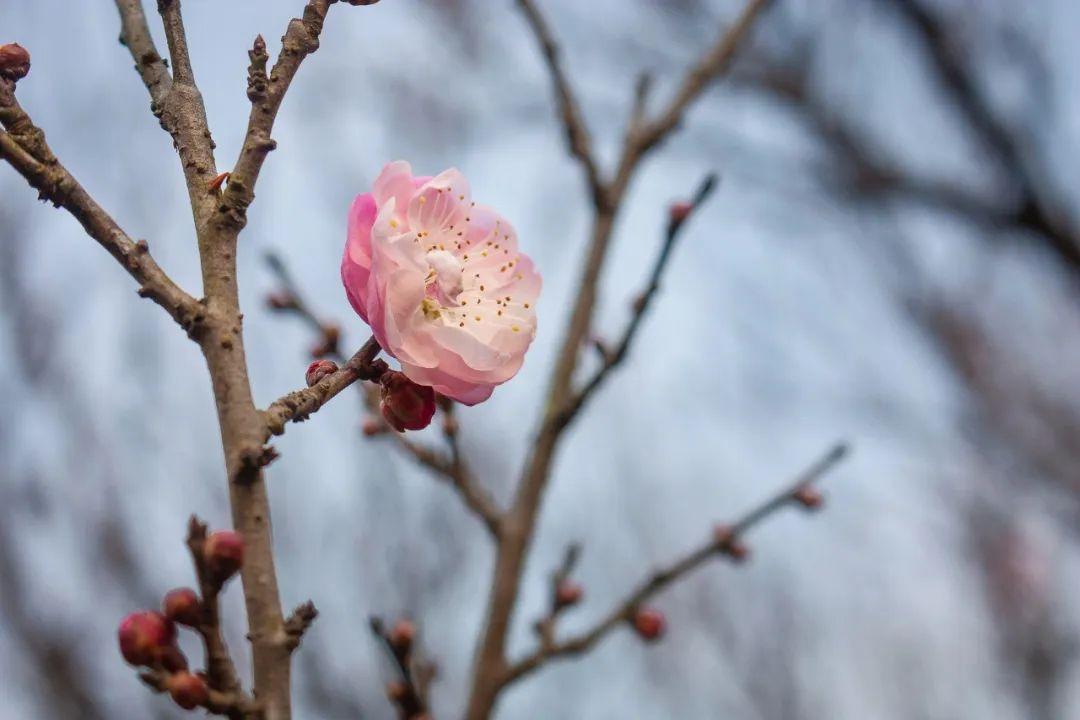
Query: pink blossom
{"type": "Point", "coordinates": [441, 282]}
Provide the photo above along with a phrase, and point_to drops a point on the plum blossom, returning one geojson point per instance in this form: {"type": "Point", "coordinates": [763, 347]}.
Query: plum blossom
{"type": "Point", "coordinates": [441, 282]}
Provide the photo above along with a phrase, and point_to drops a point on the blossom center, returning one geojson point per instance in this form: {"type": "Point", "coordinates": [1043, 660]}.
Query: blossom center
{"type": "Point", "coordinates": [443, 282]}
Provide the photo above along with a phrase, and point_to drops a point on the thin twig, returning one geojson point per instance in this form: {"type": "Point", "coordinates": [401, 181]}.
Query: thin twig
{"type": "Point", "coordinates": [612, 358]}
{"type": "Point", "coordinates": [718, 546]}
{"type": "Point", "coordinates": [520, 521]}
{"type": "Point", "coordinates": [577, 134]}
{"type": "Point", "coordinates": [24, 147]}
{"type": "Point", "coordinates": [152, 68]}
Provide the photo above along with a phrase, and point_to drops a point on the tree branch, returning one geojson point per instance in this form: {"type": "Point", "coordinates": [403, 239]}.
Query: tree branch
{"type": "Point", "coordinates": [722, 543]}
{"type": "Point", "coordinates": [266, 95]}
{"type": "Point", "coordinates": [577, 134]}
{"type": "Point", "coordinates": [612, 358]}
{"type": "Point", "coordinates": [152, 68]}
{"type": "Point", "coordinates": [24, 147]}
{"type": "Point", "coordinates": [520, 522]}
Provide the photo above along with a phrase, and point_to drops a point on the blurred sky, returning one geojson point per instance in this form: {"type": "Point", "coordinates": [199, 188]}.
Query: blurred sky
{"type": "Point", "coordinates": [784, 325]}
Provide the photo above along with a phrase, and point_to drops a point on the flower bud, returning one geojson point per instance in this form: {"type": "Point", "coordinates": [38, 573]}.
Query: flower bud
{"type": "Point", "coordinates": [679, 211]}
{"type": "Point", "coordinates": [328, 344]}
{"type": "Point", "coordinates": [182, 605]}
{"type": "Point", "coordinates": [143, 636]}
{"type": "Point", "coordinates": [372, 427]}
{"type": "Point", "coordinates": [319, 369]}
{"type": "Point", "coordinates": [729, 543]}
{"type": "Point", "coordinates": [14, 61]}
{"type": "Point", "coordinates": [809, 497]}
{"type": "Point", "coordinates": [397, 691]}
{"type": "Point", "coordinates": [402, 635]}
{"type": "Point", "coordinates": [568, 593]}
{"type": "Point", "coordinates": [223, 553]}
{"type": "Point", "coordinates": [187, 690]}
{"type": "Point", "coordinates": [406, 405]}
{"type": "Point", "coordinates": [650, 624]}
{"type": "Point", "coordinates": [281, 300]}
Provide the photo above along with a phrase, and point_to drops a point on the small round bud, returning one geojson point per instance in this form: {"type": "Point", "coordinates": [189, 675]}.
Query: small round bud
{"type": "Point", "coordinates": [402, 635]}
{"type": "Point", "coordinates": [809, 497]}
{"type": "Point", "coordinates": [406, 405]}
{"type": "Point", "coordinates": [14, 61]}
{"type": "Point", "coordinates": [328, 344]}
{"type": "Point", "coordinates": [281, 300]}
{"type": "Point", "coordinates": [319, 369]}
{"type": "Point", "coordinates": [143, 636]}
{"type": "Point", "coordinates": [650, 624]}
{"type": "Point", "coordinates": [182, 605]}
{"type": "Point", "coordinates": [679, 211]}
{"type": "Point", "coordinates": [568, 593]}
{"type": "Point", "coordinates": [224, 553]}
{"type": "Point", "coordinates": [187, 690]}
{"type": "Point", "coordinates": [396, 691]}
{"type": "Point", "coordinates": [372, 427]}
{"type": "Point", "coordinates": [730, 544]}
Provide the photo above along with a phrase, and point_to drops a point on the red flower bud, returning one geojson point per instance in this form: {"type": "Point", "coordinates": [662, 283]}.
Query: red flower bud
{"type": "Point", "coordinates": [809, 497]}
{"type": "Point", "coordinates": [650, 624]}
{"type": "Point", "coordinates": [319, 369]}
{"type": "Point", "coordinates": [402, 635]}
{"type": "Point", "coordinates": [182, 605]}
{"type": "Point", "coordinates": [224, 553]}
{"type": "Point", "coordinates": [14, 61]}
{"type": "Point", "coordinates": [568, 593]}
{"type": "Point", "coordinates": [679, 211]}
{"type": "Point", "coordinates": [187, 690]}
{"type": "Point", "coordinates": [406, 405]}
{"type": "Point", "coordinates": [143, 636]}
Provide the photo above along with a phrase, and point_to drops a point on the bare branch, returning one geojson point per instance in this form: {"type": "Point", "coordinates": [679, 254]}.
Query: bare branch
{"type": "Point", "coordinates": [266, 95]}
{"type": "Point", "coordinates": [299, 405]}
{"type": "Point", "coordinates": [612, 358]}
{"type": "Point", "coordinates": [577, 134]}
{"type": "Point", "coordinates": [721, 544]}
{"type": "Point", "coordinates": [152, 68]}
{"type": "Point", "coordinates": [712, 65]}
{"type": "Point", "coordinates": [24, 147]}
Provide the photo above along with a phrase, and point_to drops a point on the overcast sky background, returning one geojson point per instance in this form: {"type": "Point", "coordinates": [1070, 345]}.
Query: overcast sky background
{"type": "Point", "coordinates": [783, 326]}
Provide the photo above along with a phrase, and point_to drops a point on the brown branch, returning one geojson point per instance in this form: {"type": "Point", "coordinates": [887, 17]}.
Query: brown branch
{"type": "Point", "coordinates": [1040, 208]}
{"type": "Point", "coordinates": [266, 95]}
{"type": "Point", "coordinates": [410, 693]}
{"type": "Point", "coordinates": [520, 521]}
{"type": "Point", "coordinates": [613, 357]}
{"type": "Point", "coordinates": [220, 670]}
{"type": "Point", "coordinates": [299, 405]}
{"type": "Point", "coordinates": [577, 134]}
{"type": "Point", "coordinates": [237, 706]}
{"type": "Point", "coordinates": [135, 35]}
{"type": "Point", "coordinates": [24, 147]}
{"type": "Point", "coordinates": [723, 543]}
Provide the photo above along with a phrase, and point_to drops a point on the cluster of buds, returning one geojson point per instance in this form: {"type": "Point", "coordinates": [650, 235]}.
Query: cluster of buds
{"type": "Point", "coordinates": [148, 638]}
{"type": "Point", "coordinates": [404, 404]}
{"type": "Point", "coordinates": [649, 623]}
{"type": "Point", "coordinates": [407, 692]}
{"type": "Point", "coordinates": [14, 61]}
